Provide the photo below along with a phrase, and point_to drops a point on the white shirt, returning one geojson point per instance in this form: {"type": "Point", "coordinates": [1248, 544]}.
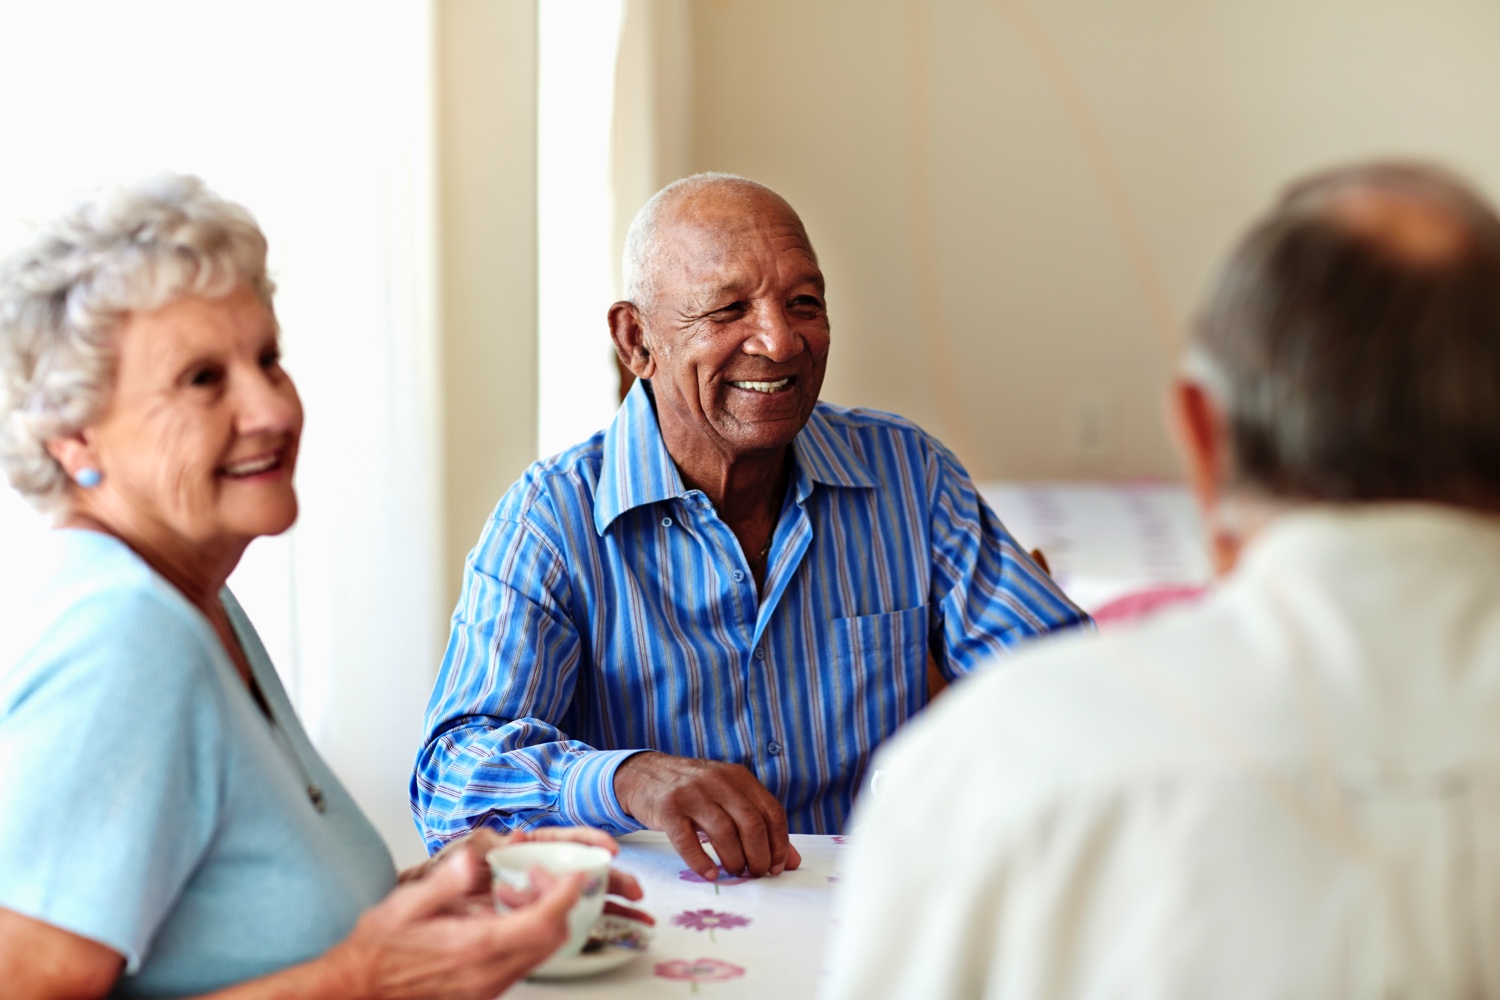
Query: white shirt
{"type": "Point", "coordinates": [1291, 789]}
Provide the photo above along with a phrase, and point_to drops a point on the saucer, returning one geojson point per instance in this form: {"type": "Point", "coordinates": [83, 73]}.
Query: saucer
{"type": "Point", "coordinates": [614, 942]}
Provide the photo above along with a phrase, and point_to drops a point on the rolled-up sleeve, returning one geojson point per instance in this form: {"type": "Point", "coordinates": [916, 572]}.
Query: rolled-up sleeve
{"type": "Point", "coordinates": [494, 752]}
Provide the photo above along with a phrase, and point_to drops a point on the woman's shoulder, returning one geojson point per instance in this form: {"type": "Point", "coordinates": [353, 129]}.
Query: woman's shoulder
{"type": "Point", "coordinates": [100, 616]}
{"type": "Point", "coordinates": [91, 568]}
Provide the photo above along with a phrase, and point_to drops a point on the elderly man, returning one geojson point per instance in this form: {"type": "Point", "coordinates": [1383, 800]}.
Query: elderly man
{"type": "Point", "coordinates": [706, 617]}
{"type": "Point", "coordinates": [1289, 790]}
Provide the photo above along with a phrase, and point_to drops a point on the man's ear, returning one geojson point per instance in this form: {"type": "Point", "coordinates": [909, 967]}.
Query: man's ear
{"type": "Point", "coordinates": [629, 335]}
{"type": "Point", "coordinates": [1200, 431]}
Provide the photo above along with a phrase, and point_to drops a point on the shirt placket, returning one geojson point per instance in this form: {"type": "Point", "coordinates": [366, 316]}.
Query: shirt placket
{"type": "Point", "coordinates": [739, 599]}
{"type": "Point", "coordinates": [764, 747]}
{"type": "Point", "coordinates": [789, 547]}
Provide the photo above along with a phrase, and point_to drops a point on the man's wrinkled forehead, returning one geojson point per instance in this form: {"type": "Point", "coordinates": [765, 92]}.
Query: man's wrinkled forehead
{"type": "Point", "coordinates": [723, 242]}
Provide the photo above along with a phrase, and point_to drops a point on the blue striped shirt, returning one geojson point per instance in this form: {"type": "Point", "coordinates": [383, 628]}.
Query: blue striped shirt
{"type": "Point", "coordinates": [607, 610]}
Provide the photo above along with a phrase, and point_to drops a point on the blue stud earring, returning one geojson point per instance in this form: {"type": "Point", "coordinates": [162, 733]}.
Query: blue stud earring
{"type": "Point", "coordinates": [88, 478]}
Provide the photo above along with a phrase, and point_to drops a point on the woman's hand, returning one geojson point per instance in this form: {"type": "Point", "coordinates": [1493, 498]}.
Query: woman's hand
{"type": "Point", "coordinates": [483, 840]}
{"type": "Point", "coordinates": [421, 942]}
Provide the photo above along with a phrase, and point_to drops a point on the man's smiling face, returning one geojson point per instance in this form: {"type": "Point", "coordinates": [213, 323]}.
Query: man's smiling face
{"type": "Point", "coordinates": [736, 325]}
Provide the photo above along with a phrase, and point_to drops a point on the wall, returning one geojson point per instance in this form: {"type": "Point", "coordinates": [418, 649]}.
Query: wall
{"type": "Point", "coordinates": [977, 279]}
{"type": "Point", "coordinates": [486, 61]}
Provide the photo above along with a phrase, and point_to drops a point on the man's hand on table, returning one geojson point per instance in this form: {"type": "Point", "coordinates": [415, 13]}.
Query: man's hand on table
{"type": "Point", "coordinates": [681, 795]}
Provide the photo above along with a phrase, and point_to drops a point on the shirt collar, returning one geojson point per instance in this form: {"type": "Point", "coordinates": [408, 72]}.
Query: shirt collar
{"type": "Point", "coordinates": [638, 470]}
{"type": "Point", "coordinates": [824, 455]}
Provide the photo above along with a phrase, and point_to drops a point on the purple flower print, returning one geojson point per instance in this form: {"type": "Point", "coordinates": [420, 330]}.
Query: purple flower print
{"type": "Point", "coordinates": [704, 970]}
{"type": "Point", "coordinates": [688, 875]}
{"type": "Point", "coordinates": [840, 839]}
{"type": "Point", "coordinates": [710, 920]}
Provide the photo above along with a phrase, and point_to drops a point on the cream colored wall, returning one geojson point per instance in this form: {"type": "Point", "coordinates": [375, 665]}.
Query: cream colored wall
{"type": "Point", "coordinates": [1205, 107]}
{"type": "Point", "coordinates": [486, 65]}
{"type": "Point", "coordinates": [978, 281]}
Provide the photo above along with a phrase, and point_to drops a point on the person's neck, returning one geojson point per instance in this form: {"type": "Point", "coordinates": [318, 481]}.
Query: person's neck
{"type": "Point", "coordinates": [198, 571]}
{"type": "Point", "coordinates": [1233, 523]}
{"type": "Point", "coordinates": [744, 487]}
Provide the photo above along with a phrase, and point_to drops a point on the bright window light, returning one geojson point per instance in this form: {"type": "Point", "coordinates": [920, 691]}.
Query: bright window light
{"type": "Point", "coordinates": [577, 382]}
{"type": "Point", "coordinates": [318, 117]}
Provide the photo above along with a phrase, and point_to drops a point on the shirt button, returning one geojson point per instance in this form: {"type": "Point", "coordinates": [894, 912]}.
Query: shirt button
{"type": "Point", "coordinates": [738, 575]}
{"type": "Point", "coordinates": [760, 652]}
{"type": "Point", "coordinates": [666, 522]}
{"type": "Point", "coordinates": [774, 749]}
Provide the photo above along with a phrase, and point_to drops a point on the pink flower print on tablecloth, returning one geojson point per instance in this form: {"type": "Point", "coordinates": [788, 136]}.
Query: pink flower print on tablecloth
{"type": "Point", "coordinates": [704, 970]}
{"type": "Point", "coordinates": [710, 920]}
{"type": "Point", "coordinates": [840, 839]}
{"type": "Point", "coordinates": [688, 875]}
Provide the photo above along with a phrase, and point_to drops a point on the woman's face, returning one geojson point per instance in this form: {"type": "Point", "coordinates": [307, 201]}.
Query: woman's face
{"type": "Point", "coordinates": [199, 441]}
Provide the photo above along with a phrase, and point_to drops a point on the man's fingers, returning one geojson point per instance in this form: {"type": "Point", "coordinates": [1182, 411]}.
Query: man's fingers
{"type": "Point", "coordinates": [754, 836]}
{"type": "Point", "coordinates": [763, 829]}
{"type": "Point", "coordinates": [793, 858]}
{"type": "Point", "coordinates": [683, 837]}
{"type": "Point", "coordinates": [724, 833]}
{"type": "Point", "coordinates": [742, 820]}
{"type": "Point", "coordinates": [776, 832]}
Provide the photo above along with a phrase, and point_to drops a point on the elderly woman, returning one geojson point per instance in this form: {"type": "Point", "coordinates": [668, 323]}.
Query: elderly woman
{"type": "Point", "coordinates": [166, 828]}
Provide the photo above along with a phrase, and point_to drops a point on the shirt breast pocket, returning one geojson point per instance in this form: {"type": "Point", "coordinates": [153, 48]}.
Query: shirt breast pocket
{"type": "Point", "coordinates": [880, 673]}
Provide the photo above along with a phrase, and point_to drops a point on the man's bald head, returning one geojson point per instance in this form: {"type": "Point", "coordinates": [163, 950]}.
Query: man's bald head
{"type": "Point", "coordinates": [1353, 341]}
{"type": "Point", "coordinates": [724, 320]}
{"type": "Point", "coordinates": [692, 201]}
{"type": "Point", "coordinates": [1414, 214]}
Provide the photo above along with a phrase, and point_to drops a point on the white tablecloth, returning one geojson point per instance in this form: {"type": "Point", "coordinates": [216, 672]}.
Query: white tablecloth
{"type": "Point", "coordinates": [754, 938]}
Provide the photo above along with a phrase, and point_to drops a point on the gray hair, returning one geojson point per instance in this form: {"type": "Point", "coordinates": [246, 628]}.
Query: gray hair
{"type": "Point", "coordinates": [1353, 342]}
{"type": "Point", "coordinates": [135, 248]}
{"type": "Point", "coordinates": [644, 246]}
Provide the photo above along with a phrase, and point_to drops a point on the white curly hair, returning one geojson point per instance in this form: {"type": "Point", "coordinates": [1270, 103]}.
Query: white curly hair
{"type": "Point", "coordinates": [134, 248]}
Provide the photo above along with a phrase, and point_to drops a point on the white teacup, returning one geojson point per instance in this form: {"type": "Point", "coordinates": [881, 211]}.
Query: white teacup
{"type": "Point", "coordinates": [511, 866]}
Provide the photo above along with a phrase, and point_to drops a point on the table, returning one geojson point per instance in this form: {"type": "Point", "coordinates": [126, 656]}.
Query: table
{"type": "Point", "coordinates": [740, 938]}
